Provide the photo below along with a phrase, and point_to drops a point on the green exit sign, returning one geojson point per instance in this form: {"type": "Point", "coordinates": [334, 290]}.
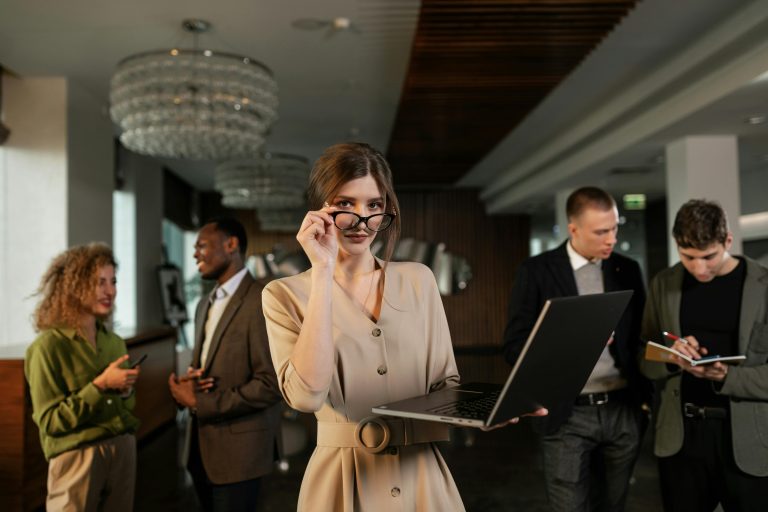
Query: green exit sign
{"type": "Point", "coordinates": [634, 201]}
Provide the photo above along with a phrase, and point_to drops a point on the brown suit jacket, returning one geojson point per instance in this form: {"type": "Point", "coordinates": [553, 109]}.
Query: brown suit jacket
{"type": "Point", "coordinates": [238, 421]}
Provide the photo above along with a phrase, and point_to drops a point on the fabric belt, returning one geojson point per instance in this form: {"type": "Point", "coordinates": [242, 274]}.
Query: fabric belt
{"type": "Point", "coordinates": [601, 398]}
{"type": "Point", "coordinates": [704, 413]}
{"type": "Point", "coordinates": [375, 433]}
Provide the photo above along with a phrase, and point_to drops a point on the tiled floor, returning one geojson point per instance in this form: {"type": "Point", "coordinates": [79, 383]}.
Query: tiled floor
{"type": "Point", "coordinates": [494, 471]}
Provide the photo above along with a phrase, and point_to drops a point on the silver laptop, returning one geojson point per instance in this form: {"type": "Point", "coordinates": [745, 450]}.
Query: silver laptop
{"type": "Point", "coordinates": [553, 367]}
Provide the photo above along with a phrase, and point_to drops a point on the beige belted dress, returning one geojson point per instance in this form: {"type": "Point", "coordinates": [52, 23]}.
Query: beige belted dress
{"type": "Point", "coordinates": [408, 352]}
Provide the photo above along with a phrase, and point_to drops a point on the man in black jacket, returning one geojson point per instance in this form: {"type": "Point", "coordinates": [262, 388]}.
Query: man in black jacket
{"type": "Point", "coordinates": [589, 446]}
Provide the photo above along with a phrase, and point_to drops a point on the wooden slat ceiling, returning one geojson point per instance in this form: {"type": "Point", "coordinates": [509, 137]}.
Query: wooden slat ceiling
{"type": "Point", "coordinates": [477, 68]}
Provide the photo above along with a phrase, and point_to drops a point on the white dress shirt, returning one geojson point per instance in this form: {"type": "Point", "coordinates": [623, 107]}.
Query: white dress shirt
{"type": "Point", "coordinates": [577, 260]}
{"type": "Point", "coordinates": [605, 376]}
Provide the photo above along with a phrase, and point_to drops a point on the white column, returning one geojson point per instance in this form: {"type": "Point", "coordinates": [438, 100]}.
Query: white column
{"type": "Point", "coordinates": [55, 188]}
{"type": "Point", "coordinates": [90, 168]}
{"type": "Point", "coordinates": [33, 196]}
{"type": "Point", "coordinates": [704, 167]}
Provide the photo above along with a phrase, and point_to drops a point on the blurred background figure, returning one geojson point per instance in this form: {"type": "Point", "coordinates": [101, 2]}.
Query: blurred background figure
{"type": "Point", "coordinates": [231, 388]}
{"type": "Point", "coordinates": [81, 385]}
{"type": "Point", "coordinates": [711, 422]}
{"type": "Point", "coordinates": [590, 446]}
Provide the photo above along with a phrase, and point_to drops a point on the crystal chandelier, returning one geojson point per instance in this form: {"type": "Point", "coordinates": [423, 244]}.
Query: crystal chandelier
{"type": "Point", "coordinates": [271, 181]}
{"type": "Point", "coordinates": [193, 104]}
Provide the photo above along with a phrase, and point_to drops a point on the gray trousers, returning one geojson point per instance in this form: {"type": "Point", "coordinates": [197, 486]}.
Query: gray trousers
{"type": "Point", "coordinates": [95, 477]}
{"type": "Point", "coordinates": [589, 460]}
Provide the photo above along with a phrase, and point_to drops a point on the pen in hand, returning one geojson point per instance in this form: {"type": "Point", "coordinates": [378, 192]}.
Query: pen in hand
{"type": "Point", "coordinates": [696, 351]}
{"type": "Point", "coordinates": [675, 337]}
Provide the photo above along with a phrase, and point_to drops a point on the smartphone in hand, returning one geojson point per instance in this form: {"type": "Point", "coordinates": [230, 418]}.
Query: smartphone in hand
{"type": "Point", "coordinates": [134, 364]}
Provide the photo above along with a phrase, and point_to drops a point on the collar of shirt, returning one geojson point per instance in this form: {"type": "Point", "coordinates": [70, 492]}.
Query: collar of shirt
{"type": "Point", "coordinates": [71, 332]}
{"type": "Point", "coordinates": [577, 260]}
{"type": "Point", "coordinates": [229, 287]}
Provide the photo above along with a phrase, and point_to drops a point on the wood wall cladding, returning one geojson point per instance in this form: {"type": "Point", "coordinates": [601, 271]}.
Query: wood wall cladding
{"type": "Point", "coordinates": [477, 68]}
{"type": "Point", "coordinates": [494, 246]}
{"type": "Point", "coordinates": [22, 477]}
{"type": "Point", "coordinates": [155, 406]}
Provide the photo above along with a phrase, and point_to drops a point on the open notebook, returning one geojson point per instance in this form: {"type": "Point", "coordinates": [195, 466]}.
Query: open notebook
{"type": "Point", "coordinates": [663, 354]}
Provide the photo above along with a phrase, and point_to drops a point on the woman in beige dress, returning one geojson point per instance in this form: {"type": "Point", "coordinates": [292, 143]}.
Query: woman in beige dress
{"type": "Point", "coordinates": [354, 332]}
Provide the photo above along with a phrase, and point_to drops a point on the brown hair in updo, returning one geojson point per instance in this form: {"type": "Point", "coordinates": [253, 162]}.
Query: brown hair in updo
{"type": "Point", "coordinates": [348, 161]}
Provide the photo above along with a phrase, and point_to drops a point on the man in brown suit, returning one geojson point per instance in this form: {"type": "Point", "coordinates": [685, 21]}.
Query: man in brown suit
{"type": "Point", "coordinates": [231, 389]}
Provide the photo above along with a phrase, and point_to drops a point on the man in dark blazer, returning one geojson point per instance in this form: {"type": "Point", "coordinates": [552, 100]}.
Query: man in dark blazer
{"type": "Point", "coordinates": [231, 389]}
{"type": "Point", "coordinates": [589, 446]}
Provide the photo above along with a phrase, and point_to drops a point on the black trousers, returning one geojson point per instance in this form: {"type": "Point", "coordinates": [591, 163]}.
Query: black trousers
{"type": "Point", "coordinates": [234, 497]}
{"type": "Point", "coordinates": [589, 460]}
{"type": "Point", "coordinates": [704, 473]}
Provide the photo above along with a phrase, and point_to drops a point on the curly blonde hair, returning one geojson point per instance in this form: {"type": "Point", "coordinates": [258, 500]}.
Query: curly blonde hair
{"type": "Point", "coordinates": [69, 285]}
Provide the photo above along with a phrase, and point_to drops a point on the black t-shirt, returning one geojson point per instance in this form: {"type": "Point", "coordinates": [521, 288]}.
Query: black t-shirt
{"type": "Point", "coordinates": [710, 311]}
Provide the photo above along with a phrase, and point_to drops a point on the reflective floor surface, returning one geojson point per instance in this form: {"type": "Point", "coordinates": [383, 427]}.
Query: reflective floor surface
{"type": "Point", "coordinates": [494, 471]}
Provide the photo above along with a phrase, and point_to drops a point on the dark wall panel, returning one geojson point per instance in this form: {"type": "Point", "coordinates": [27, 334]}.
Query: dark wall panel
{"type": "Point", "coordinates": [180, 201]}
{"type": "Point", "coordinates": [493, 246]}
{"type": "Point", "coordinates": [656, 237]}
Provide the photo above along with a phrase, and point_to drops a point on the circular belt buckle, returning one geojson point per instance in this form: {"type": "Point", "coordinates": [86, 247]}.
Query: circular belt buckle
{"type": "Point", "coordinates": [359, 434]}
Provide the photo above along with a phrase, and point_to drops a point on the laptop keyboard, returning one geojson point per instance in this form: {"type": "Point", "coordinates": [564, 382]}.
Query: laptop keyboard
{"type": "Point", "coordinates": [476, 409]}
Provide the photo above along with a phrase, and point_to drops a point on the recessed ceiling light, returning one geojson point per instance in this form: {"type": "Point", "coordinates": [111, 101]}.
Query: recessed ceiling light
{"type": "Point", "coordinates": [333, 25]}
{"type": "Point", "coordinates": [756, 119]}
{"type": "Point", "coordinates": [341, 23]}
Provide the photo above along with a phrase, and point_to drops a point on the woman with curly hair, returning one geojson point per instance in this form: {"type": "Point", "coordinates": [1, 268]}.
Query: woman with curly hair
{"type": "Point", "coordinates": [81, 387]}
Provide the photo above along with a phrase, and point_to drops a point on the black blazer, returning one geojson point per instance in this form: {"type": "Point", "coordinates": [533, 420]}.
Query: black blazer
{"type": "Point", "coordinates": [550, 275]}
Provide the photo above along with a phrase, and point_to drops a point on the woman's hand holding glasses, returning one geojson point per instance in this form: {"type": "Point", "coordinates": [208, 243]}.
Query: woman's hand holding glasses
{"type": "Point", "coordinates": [317, 236]}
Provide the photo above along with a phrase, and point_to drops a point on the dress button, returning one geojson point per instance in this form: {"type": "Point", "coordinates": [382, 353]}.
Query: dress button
{"type": "Point", "coordinates": [381, 370]}
{"type": "Point", "coordinates": [395, 492]}
{"type": "Point", "coordinates": [109, 401]}
{"type": "Point", "coordinates": [376, 332]}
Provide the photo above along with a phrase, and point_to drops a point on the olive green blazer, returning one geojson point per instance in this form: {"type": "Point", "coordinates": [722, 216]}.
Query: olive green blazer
{"type": "Point", "coordinates": [746, 384]}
